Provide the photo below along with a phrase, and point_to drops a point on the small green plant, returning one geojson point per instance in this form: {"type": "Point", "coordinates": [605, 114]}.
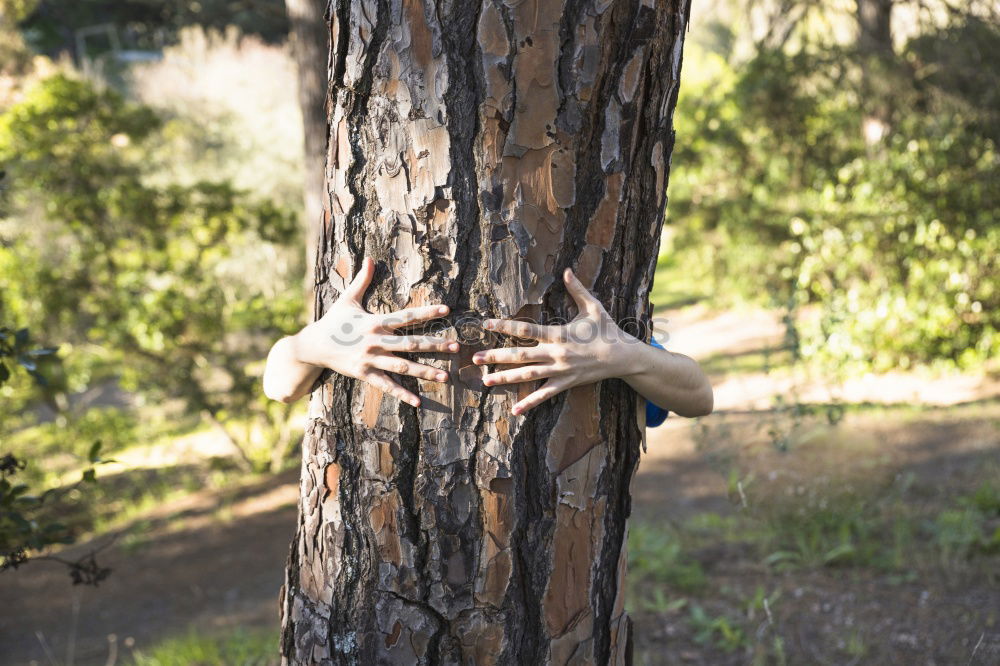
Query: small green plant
{"type": "Point", "coordinates": [657, 556]}
{"type": "Point", "coordinates": [855, 645]}
{"type": "Point", "coordinates": [719, 631]}
{"type": "Point", "coordinates": [986, 499]}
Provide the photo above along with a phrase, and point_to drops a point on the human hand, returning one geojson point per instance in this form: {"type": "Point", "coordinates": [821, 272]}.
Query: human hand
{"type": "Point", "coordinates": [354, 342]}
{"type": "Point", "coordinates": [586, 350]}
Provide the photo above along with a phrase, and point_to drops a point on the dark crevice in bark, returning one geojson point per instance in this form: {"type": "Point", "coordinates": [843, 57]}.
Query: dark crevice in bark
{"type": "Point", "coordinates": [535, 494]}
{"type": "Point", "coordinates": [286, 640]}
{"type": "Point", "coordinates": [464, 95]}
{"type": "Point", "coordinates": [484, 301]}
{"type": "Point", "coordinates": [610, 282]}
{"type": "Point", "coordinates": [338, 58]}
{"type": "Point", "coordinates": [349, 595]}
{"type": "Point", "coordinates": [358, 111]}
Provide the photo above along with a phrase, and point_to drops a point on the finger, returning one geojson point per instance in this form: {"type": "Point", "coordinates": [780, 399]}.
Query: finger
{"type": "Point", "coordinates": [359, 285]}
{"type": "Point", "coordinates": [403, 367]}
{"type": "Point", "coordinates": [513, 355]}
{"type": "Point", "coordinates": [521, 329]}
{"type": "Point", "coordinates": [416, 343]}
{"type": "Point", "coordinates": [585, 300]}
{"type": "Point", "coordinates": [517, 375]}
{"type": "Point", "coordinates": [401, 318]}
{"type": "Point", "coordinates": [549, 389]}
{"type": "Point", "coordinates": [386, 385]}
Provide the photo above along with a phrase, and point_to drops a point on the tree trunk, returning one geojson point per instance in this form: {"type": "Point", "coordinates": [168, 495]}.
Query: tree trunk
{"type": "Point", "coordinates": [875, 26]}
{"type": "Point", "coordinates": [476, 149]}
{"type": "Point", "coordinates": [310, 41]}
{"type": "Point", "coordinates": [875, 47]}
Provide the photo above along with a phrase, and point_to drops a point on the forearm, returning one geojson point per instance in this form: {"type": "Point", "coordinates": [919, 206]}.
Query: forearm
{"type": "Point", "coordinates": [286, 377]}
{"type": "Point", "coordinates": [668, 379]}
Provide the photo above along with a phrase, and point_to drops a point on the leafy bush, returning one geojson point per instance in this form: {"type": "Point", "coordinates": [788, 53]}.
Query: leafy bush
{"type": "Point", "coordinates": [229, 112]}
{"type": "Point", "coordinates": [779, 197]}
{"type": "Point", "coordinates": [173, 286]}
{"type": "Point", "coordinates": [24, 530]}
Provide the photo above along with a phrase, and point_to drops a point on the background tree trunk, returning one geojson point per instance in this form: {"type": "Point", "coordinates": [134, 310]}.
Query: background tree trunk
{"type": "Point", "coordinates": [877, 63]}
{"type": "Point", "coordinates": [875, 26]}
{"type": "Point", "coordinates": [476, 149]}
{"type": "Point", "coordinates": [310, 41]}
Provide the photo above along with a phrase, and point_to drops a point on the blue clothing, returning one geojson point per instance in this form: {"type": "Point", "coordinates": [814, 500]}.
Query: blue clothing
{"type": "Point", "coordinates": [655, 415]}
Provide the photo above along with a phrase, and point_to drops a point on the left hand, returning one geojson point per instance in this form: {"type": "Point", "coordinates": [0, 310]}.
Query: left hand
{"type": "Point", "coordinates": [586, 350]}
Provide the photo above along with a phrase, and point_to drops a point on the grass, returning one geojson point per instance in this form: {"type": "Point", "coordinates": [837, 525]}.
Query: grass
{"type": "Point", "coordinates": [57, 449]}
{"type": "Point", "coordinates": [240, 647]}
{"type": "Point", "coordinates": [659, 566]}
{"type": "Point", "coordinates": [811, 528]}
{"type": "Point", "coordinates": [826, 510]}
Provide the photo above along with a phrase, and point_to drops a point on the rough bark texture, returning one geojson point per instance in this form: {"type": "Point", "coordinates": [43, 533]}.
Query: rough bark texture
{"type": "Point", "coordinates": [310, 42]}
{"type": "Point", "coordinates": [476, 149]}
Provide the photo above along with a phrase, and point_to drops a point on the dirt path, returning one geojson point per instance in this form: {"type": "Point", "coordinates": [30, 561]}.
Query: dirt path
{"type": "Point", "coordinates": [214, 573]}
{"type": "Point", "coordinates": [210, 575]}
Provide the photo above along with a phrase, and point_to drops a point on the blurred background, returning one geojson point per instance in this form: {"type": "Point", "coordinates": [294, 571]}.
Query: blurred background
{"type": "Point", "coordinates": [830, 256]}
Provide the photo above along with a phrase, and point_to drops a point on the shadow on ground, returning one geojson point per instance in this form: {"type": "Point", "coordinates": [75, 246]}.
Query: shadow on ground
{"type": "Point", "coordinates": [219, 575]}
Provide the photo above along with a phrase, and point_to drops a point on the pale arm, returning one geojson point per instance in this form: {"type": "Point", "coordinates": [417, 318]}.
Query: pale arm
{"type": "Point", "coordinates": [286, 378]}
{"type": "Point", "coordinates": [667, 379]}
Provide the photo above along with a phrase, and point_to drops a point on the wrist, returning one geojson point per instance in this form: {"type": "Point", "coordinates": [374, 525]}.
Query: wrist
{"type": "Point", "coordinates": [298, 346]}
{"type": "Point", "coordinates": [632, 358]}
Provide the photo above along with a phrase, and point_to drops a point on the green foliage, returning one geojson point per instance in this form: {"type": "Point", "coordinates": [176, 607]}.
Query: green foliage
{"type": "Point", "coordinates": [718, 630]}
{"type": "Point", "coordinates": [166, 284]}
{"type": "Point", "coordinates": [16, 347]}
{"type": "Point", "coordinates": [986, 499]}
{"type": "Point", "coordinates": [659, 567]}
{"type": "Point", "coordinates": [970, 528]}
{"type": "Point", "coordinates": [227, 114]}
{"type": "Point", "coordinates": [823, 530]}
{"type": "Point", "coordinates": [779, 197]}
{"type": "Point", "coordinates": [24, 530]}
{"type": "Point", "coordinates": [881, 531]}
{"type": "Point", "coordinates": [242, 647]}
{"type": "Point", "coordinates": [14, 53]}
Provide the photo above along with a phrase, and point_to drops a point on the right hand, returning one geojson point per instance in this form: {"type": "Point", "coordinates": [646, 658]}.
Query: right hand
{"type": "Point", "coordinates": [354, 342]}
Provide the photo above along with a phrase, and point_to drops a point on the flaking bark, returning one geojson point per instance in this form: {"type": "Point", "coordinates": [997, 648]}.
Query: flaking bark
{"type": "Point", "coordinates": [476, 149]}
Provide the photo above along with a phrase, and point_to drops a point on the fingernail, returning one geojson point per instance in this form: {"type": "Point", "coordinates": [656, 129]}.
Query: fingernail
{"type": "Point", "coordinates": [443, 309]}
{"type": "Point", "coordinates": [487, 323]}
{"type": "Point", "coordinates": [477, 357]}
{"type": "Point", "coordinates": [442, 376]}
{"type": "Point", "coordinates": [453, 346]}
{"type": "Point", "coordinates": [487, 382]}
{"type": "Point", "coordinates": [515, 410]}
{"type": "Point", "coordinates": [415, 402]}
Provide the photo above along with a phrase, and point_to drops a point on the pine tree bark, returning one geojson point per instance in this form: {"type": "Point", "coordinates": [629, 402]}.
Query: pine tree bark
{"type": "Point", "coordinates": [476, 149]}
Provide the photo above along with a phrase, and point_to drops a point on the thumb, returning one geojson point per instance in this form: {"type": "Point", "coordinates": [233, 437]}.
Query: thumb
{"type": "Point", "coordinates": [359, 285]}
{"type": "Point", "coordinates": [585, 301]}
